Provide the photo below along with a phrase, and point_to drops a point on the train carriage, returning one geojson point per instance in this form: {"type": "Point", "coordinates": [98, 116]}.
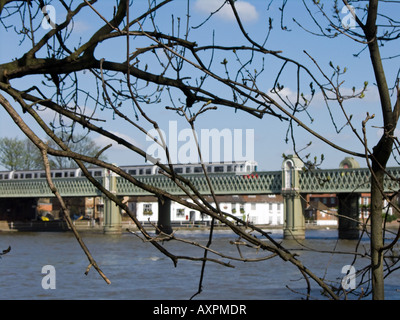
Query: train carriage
{"type": "Point", "coordinates": [239, 167]}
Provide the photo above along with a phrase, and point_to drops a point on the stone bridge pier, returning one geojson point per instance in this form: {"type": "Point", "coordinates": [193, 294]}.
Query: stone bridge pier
{"type": "Point", "coordinates": [348, 216]}
{"type": "Point", "coordinates": [294, 202]}
{"type": "Point", "coordinates": [294, 222]}
{"type": "Point", "coordinates": [112, 213]}
{"type": "Point", "coordinates": [164, 216]}
{"type": "Point", "coordinates": [348, 210]}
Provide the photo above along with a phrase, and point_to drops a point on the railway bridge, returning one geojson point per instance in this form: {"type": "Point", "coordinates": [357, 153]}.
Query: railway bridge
{"type": "Point", "coordinates": [292, 181]}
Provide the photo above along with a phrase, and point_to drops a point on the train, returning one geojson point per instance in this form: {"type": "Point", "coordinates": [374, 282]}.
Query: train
{"type": "Point", "coordinates": [237, 167]}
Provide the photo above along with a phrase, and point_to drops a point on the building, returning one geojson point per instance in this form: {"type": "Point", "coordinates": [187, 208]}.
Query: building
{"type": "Point", "coordinates": [321, 209]}
{"type": "Point", "coordinates": [257, 209]}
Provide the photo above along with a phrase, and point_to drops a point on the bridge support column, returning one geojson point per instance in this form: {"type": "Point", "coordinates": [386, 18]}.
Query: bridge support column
{"type": "Point", "coordinates": [164, 215]}
{"type": "Point", "coordinates": [112, 214]}
{"type": "Point", "coordinates": [294, 227]}
{"type": "Point", "coordinates": [294, 224]}
{"type": "Point", "coordinates": [349, 216]}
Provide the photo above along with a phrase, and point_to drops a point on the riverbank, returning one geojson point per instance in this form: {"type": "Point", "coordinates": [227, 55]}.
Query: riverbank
{"type": "Point", "coordinates": [90, 226]}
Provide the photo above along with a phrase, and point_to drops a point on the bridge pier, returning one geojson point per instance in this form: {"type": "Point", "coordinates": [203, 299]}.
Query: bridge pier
{"type": "Point", "coordinates": [294, 224]}
{"type": "Point", "coordinates": [112, 214]}
{"type": "Point", "coordinates": [164, 216]}
{"type": "Point", "coordinates": [348, 216]}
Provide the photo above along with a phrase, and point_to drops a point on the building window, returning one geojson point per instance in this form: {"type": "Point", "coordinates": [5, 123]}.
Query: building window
{"type": "Point", "coordinates": [147, 209]}
{"type": "Point", "coordinates": [233, 207]}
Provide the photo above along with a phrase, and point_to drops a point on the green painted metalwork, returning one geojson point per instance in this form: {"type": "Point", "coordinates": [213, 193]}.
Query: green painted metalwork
{"type": "Point", "coordinates": [268, 182]}
{"type": "Point", "coordinates": [344, 181]}
{"type": "Point", "coordinates": [223, 184]}
{"type": "Point", "coordinates": [36, 188]}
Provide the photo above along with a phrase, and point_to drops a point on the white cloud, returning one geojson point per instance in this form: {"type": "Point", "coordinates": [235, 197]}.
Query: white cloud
{"type": "Point", "coordinates": [246, 10]}
{"type": "Point", "coordinates": [104, 141]}
{"type": "Point", "coordinates": [80, 26]}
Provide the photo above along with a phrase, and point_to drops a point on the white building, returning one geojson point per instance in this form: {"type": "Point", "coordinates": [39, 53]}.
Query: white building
{"type": "Point", "coordinates": [257, 209]}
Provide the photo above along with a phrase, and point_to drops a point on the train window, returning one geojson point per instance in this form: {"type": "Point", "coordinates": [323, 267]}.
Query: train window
{"type": "Point", "coordinates": [1, 177]}
{"type": "Point", "coordinates": [140, 171]}
{"type": "Point", "coordinates": [148, 171]}
{"type": "Point", "coordinates": [188, 169]}
{"type": "Point", "coordinates": [228, 168]}
{"type": "Point", "coordinates": [28, 176]}
{"type": "Point", "coordinates": [198, 169]}
{"type": "Point", "coordinates": [219, 169]}
{"type": "Point", "coordinates": [178, 170]}
{"type": "Point", "coordinates": [43, 175]}
{"type": "Point", "coordinates": [35, 175]}
{"type": "Point", "coordinates": [16, 176]}
{"type": "Point", "coordinates": [209, 169]}
{"type": "Point", "coordinates": [97, 173]}
{"type": "Point", "coordinates": [58, 175]}
{"type": "Point", "coordinates": [132, 172]}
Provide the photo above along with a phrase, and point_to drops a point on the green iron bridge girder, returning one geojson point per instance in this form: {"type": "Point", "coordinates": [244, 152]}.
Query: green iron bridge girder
{"type": "Point", "coordinates": [316, 181]}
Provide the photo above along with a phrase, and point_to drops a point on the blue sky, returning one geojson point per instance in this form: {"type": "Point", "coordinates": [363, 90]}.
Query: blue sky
{"type": "Point", "coordinates": [269, 133]}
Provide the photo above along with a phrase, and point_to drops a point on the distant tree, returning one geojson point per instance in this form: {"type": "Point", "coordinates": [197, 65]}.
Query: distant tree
{"type": "Point", "coordinates": [19, 154]}
{"type": "Point", "coordinates": [22, 154]}
{"type": "Point", "coordinates": [79, 143]}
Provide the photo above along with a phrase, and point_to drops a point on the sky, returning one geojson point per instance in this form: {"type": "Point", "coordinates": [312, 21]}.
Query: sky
{"type": "Point", "coordinates": [268, 133]}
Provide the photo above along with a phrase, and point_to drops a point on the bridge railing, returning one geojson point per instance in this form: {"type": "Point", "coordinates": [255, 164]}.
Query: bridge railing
{"type": "Point", "coordinates": [256, 183]}
{"type": "Point", "coordinates": [345, 180]}
{"type": "Point", "coordinates": [265, 182]}
{"type": "Point", "coordinates": [38, 188]}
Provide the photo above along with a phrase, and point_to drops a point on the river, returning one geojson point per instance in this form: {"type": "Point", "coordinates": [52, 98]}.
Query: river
{"type": "Point", "coordinates": [137, 270]}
